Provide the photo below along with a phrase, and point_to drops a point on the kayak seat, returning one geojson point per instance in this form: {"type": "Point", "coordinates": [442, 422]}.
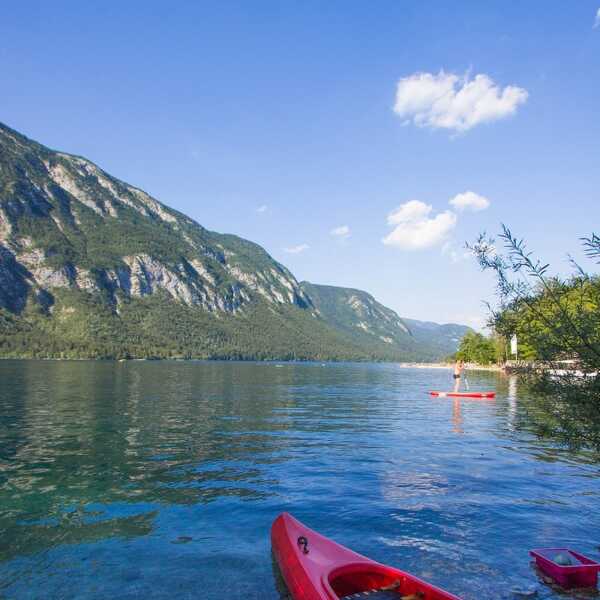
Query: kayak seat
{"type": "Point", "coordinates": [383, 595]}
{"type": "Point", "coordinates": [374, 595]}
{"type": "Point", "coordinates": [372, 581]}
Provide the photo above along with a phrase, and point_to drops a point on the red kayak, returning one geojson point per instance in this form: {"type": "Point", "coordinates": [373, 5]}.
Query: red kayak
{"type": "Point", "coordinates": [316, 568]}
{"type": "Point", "coordinates": [464, 394]}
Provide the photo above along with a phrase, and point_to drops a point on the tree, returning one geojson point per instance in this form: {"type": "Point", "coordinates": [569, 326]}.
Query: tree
{"type": "Point", "coordinates": [556, 320]}
{"type": "Point", "coordinates": [477, 348]}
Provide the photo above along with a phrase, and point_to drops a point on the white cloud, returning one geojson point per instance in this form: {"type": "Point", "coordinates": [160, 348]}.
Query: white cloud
{"type": "Point", "coordinates": [413, 210]}
{"type": "Point", "coordinates": [297, 249]}
{"type": "Point", "coordinates": [262, 208]}
{"type": "Point", "coordinates": [469, 201]}
{"type": "Point", "coordinates": [415, 229]}
{"type": "Point", "coordinates": [448, 101]}
{"type": "Point", "coordinates": [342, 232]}
{"type": "Point", "coordinates": [597, 20]}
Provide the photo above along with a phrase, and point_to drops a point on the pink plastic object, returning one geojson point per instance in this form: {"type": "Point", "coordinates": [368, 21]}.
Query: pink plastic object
{"type": "Point", "coordinates": [583, 573]}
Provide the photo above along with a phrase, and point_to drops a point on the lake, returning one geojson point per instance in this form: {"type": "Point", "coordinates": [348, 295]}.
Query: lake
{"type": "Point", "coordinates": [161, 479]}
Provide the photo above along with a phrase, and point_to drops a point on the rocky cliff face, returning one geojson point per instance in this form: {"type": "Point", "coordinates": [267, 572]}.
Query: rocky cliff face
{"type": "Point", "coordinates": [65, 223]}
{"type": "Point", "coordinates": [92, 266]}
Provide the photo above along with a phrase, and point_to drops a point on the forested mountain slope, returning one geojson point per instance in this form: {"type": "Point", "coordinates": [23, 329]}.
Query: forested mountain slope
{"type": "Point", "coordinates": [91, 266]}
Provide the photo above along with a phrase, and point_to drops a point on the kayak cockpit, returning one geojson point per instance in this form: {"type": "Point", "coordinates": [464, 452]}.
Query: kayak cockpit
{"type": "Point", "coordinates": [367, 580]}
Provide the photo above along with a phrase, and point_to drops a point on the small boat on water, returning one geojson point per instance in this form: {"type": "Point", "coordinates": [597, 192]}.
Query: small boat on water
{"type": "Point", "coordinates": [463, 394]}
{"type": "Point", "coordinates": [317, 568]}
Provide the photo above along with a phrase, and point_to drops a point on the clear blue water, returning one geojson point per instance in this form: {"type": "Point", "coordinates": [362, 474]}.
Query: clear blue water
{"type": "Point", "coordinates": [161, 479]}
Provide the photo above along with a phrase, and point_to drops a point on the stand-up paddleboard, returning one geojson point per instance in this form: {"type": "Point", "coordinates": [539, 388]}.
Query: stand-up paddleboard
{"type": "Point", "coordinates": [464, 394]}
{"type": "Point", "coordinates": [317, 568]}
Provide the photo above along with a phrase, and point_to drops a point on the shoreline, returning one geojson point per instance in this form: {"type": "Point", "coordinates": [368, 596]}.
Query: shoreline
{"type": "Point", "coordinates": [402, 365]}
{"type": "Point", "coordinates": [506, 369]}
{"type": "Point", "coordinates": [468, 366]}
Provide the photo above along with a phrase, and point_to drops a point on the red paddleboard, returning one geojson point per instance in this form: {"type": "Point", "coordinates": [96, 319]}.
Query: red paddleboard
{"type": "Point", "coordinates": [316, 568]}
{"type": "Point", "coordinates": [464, 394]}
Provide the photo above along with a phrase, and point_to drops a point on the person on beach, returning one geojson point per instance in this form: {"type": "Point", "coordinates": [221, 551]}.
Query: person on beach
{"type": "Point", "coordinates": [459, 367]}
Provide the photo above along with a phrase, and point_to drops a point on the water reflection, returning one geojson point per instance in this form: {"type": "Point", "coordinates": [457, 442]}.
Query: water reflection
{"type": "Point", "coordinates": [457, 416]}
{"type": "Point", "coordinates": [160, 479]}
{"type": "Point", "coordinates": [166, 433]}
{"type": "Point", "coordinates": [512, 402]}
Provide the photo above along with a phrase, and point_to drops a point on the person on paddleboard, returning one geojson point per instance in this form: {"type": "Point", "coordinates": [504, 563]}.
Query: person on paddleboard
{"type": "Point", "coordinates": [459, 368]}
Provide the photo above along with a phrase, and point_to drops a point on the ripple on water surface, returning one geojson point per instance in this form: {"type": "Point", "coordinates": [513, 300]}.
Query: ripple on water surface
{"type": "Point", "coordinates": [161, 480]}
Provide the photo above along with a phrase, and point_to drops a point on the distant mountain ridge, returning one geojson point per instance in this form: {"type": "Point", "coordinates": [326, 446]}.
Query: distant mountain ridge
{"type": "Point", "coordinates": [92, 266]}
{"type": "Point", "coordinates": [441, 339]}
{"type": "Point", "coordinates": [371, 324]}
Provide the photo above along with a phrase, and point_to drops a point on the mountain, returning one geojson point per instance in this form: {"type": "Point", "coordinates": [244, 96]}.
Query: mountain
{"type": "Point", "coordinates": [441, 340]}
{"type": "Point", "coordinates": [91, 266]}
{"type": "Point", "coordinates": [359, 316]}
{"type": "Point", "coordinates": [372, 325]}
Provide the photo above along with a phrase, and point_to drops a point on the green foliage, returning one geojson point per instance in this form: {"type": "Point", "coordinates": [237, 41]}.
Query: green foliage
{"type": "Point", "coordinates": [556, 320]}
{"type": "Point", "coordinates": [371, 325]}
{"type": "Point", "coordinates": [477, 348]}
{"type": "Point", "coordinates": [86, 326]}
{"type": "Point", "coordinates": [559, 320]}
{"type": "Point", "coordinates": [66, 214]}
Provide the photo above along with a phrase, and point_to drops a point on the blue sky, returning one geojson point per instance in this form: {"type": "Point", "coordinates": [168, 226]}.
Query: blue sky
{"type": "Point", "coordinates": [219, 109]}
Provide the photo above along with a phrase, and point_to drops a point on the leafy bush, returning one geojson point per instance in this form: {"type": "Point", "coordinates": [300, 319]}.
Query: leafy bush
{"type": "Point", "coordinates": [557, 320]}
{"type": "Point", "coordinates": [477, 348]}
